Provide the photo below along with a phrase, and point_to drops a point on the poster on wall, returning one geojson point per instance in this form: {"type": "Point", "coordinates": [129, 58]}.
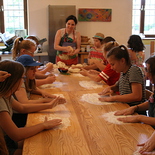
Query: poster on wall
{"type": "Point", "coordinates": [102, 15]}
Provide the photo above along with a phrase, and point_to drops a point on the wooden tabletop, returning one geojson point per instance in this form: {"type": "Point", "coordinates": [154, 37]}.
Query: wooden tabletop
{"type": "Point", "coordinates": [88, 133]}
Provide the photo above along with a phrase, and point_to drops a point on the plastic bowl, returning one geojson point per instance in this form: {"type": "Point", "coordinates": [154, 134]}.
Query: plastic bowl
{"type": "Point", "coordinates": [63, 70]}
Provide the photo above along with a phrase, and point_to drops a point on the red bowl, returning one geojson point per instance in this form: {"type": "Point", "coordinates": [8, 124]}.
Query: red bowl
{"type": "Point", "coordinates": [63, 70]}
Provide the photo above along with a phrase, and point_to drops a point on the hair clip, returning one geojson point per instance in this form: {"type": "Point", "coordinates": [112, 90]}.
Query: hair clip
{"type": "Point", "coordinates": [122, 47]}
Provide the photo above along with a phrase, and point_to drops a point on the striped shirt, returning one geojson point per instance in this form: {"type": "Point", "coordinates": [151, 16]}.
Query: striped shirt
{"type": "Point", "coordinates": [133, 75]}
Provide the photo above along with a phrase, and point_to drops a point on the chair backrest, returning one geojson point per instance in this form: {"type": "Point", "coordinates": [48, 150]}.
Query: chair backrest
{"type": "Point", "coordinates": [152, 49]}
{"type": "Point", "coordinates": [148, 93]}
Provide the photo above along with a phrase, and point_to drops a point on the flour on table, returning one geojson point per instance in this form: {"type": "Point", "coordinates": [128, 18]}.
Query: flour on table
{"type": "Point", "coordinates": [47, 73]}
{"type": "Point", "coordinates": [65, 121]}
{"type": "Point", "coordinates": [53, 85]}
{"type": "Point", "coordinates": [90, 84]}
{"type": "Point", "coordinates": [93, 98]}
{"type": "Point", "coordinates": [78, 75]}
{"type": "Point", "coordinates": [137, 151]}
{"type": "Point", "coordinates": [58, 112]}
{"type": "Point", "coordinates": [61, 95]}
{"type": "Point", "coordinates": [110, 117]}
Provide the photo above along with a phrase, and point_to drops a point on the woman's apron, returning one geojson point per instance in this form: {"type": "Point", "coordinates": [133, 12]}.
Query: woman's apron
{"type": "Point", "coordinates": [62, 56]}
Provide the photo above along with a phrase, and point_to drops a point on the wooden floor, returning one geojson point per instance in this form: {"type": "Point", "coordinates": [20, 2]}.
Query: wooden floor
{"type": "Point", "coordinates": [89, 133]}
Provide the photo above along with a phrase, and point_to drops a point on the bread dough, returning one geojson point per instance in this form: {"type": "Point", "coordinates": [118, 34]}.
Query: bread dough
{"type": "Point", "coordinates": [74, 70]}
{"type": "Point", "coordinates": [77, 65]}
{"type": "Point", "coordinates": [71, 48]}
{"type": "Point", "coordinates": [93, 99]}
{"type": "Point", "coordinates": [90, 84]}
{"type": "Point", "coordinates": [61, 64]}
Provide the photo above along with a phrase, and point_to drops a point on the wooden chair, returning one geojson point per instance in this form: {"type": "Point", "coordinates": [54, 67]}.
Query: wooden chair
{"type": "Point", "coordinates": [152, 50]}
{"type": "Point", "coordinates": [148, 93]}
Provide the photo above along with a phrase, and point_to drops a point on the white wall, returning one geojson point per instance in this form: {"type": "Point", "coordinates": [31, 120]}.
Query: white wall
{"type": "Point", "coordinates": [119, 28]}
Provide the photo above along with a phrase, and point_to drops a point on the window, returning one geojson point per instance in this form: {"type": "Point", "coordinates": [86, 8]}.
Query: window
{"type": "Point", "coordinates": [143, 17]}
{"type": "Point", "coordinates": [14, 15]}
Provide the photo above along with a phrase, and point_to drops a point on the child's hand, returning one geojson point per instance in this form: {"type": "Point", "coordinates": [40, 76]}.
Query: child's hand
{"type": "Point", "coordinates": [52, 123]}
{"type": "Point", "coordinates": [4, 75]}
{"type": "Point", "coordinates": [47, 95]}
{"type": "Point", "coordinates": [127, 111]}
{"type": "Point", "coordinates": [148, 146]}
{"type": "Point", "coordinates": [45, 100]}
{"type": "Point", "coordinates": [94, 72]}
{"type": "Point", "coordinates": [84, 72]}
{"type": "Point", "coordinates": [107, 99]}
{"type": "Point", "coordinates": [49, 66]}
{"type": "Point", "coordinates": [90, 61]}
{"type": "Point", "coordinates": [106, 91]}
{"type": "Point", "coordinates": [58, 100]}
{"type": "Point", "coordinates": [62, 100]}
{"type": "Point", "coordinates": [50, 79]}
{"type": "Point", "coordinates": [132, 119]}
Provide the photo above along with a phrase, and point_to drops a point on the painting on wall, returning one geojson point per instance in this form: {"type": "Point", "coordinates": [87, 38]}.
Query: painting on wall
{"type": "Point", "coordinates": [103, 15]}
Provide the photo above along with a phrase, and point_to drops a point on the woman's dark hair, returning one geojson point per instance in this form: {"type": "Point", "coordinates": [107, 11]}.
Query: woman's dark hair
{"type": "Point", "coordinates": [71, 17]}
{"type": "Point", "coordinates": [16, 70]}
{"type": "Point", "coordinates": [120, 52]}
{"type": "Point", "coordinates": [135, 43]}
{"type": "Point", "coordinates": [151, 62]}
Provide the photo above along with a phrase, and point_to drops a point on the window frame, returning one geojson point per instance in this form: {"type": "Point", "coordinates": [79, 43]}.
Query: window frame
{"type": "Point", "coordinates": [2, 26]}
{"type": "Point", "coordinates": [142, 20]}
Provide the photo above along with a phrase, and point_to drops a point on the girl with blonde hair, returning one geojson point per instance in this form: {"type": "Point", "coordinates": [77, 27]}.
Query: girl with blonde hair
{"type": "Point", "coordinates": [28, 46]}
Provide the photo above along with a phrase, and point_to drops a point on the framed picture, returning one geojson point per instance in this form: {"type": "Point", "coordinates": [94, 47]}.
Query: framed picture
{"type": "Point", "coordinates": [103, 15]}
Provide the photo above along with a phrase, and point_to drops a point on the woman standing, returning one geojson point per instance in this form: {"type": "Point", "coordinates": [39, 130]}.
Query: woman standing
{"type": "Point", "coordinates": [67, 42]}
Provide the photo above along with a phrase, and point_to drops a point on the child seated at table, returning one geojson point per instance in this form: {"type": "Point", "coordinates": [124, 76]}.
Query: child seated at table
{"type": "Point", "coordinates": [3, 148]}
{"type": "Point", "coordinates": [100, 62]}
{"type": "Point", "coordinates": [108, 75]}
{"type": "Point", "coordinates": [148, 105]}
{"type": "Point", "coordinates": [96, 52]}
{"type": "Point", "coordinates": [29, 81]}
{"type": "Point", "coordinates": [131, 82]}
{"type": "Point", "coordinates": [136, 51]}
{"type": "Point", "coordinates": [100, 65]}
{"type": "Point", "coordinates": [13, 134]}
{"type": "Point", "coordinates": [28, 46]}
{"type": "Point", "coordinates": [29, 87]}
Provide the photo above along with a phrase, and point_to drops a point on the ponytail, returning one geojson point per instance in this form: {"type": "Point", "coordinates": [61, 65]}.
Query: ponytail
{"type": "Point", "coordinates": [16, 48]}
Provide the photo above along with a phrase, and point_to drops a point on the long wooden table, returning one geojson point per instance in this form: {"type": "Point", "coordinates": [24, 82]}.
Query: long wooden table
{"type": "Point", "coordinates": [88, 133]}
